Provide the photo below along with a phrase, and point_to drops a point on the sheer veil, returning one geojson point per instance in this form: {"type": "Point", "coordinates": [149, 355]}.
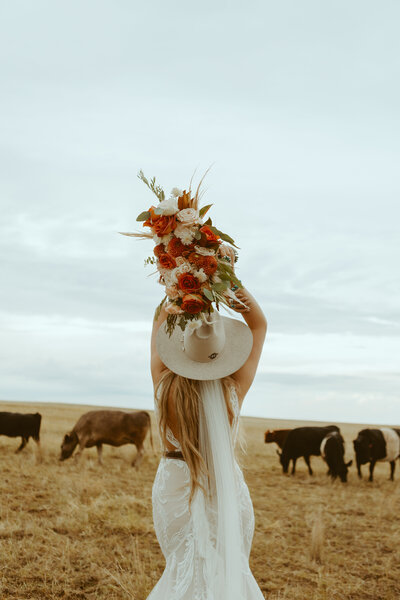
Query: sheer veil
{"type": "Point", "coordinates": [223, 556]}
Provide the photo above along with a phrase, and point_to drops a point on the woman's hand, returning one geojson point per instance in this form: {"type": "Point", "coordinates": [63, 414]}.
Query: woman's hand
{"type": "Point", "coordinates": [226, 252]}
{"type": "Point", "coordinates": [243, 306]}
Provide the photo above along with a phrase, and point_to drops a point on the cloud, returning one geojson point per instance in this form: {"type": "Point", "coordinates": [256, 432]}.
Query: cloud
{"type": "Point", "coordinates": [304, 135]}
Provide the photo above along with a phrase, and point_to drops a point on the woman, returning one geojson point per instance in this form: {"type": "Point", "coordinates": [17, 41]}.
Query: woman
{"type": "Point", "coordinates": [202, 510]}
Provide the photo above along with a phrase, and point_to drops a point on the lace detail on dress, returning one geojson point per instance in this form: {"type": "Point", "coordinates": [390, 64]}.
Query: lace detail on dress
{"type": "Point", "coordinates": [187, 536]}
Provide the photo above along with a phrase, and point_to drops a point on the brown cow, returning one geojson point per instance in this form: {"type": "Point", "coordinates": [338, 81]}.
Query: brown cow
{"type": "Point", "coordinates": [276, 435]}
{"type": "Point", "coordinates": [113, 427]}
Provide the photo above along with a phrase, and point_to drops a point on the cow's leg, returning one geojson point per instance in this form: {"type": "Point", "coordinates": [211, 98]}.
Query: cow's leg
{"type": "Point", "coordinates": [294, 465]}
{"type": "Point", "coordinates": [392, 468]}
{"type": "Point", "coordinates": [307, 461]}
{"type": "Point", "coordinates": [24, 441]}
{"type": "Point", "coordinates": [371, 469]}
{"type": "Point", "coordinates": [99, 453]}
{"type": "Point", "coordinates": [359, 470]}
{"type": "Point", "coordinates": [139, 456]}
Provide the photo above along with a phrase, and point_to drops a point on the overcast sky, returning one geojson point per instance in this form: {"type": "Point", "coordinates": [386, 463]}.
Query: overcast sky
{"type": "Point", "coordinates": [296, 104]}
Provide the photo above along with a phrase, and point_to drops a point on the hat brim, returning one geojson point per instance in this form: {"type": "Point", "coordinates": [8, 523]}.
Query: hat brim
{"type": "Point", "coordinates": [238, 345]}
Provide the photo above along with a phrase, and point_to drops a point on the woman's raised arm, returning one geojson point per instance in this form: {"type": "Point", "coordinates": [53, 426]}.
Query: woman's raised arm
{"type": "Point", "coordinates": [256, 321]}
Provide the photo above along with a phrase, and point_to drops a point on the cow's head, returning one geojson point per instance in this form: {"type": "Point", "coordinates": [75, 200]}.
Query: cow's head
{"type": "Point", "coordinates": [68, 445]}
{"type": "Point", "coordinates": [343, 470]}
{"type": "Point", "coordinates": [268, 436]}
{"type": "Point", "coordinates": [284, 460]}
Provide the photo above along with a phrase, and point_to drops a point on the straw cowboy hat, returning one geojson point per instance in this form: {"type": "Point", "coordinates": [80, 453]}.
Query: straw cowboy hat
{"type": "Point", "coordinates": [209, 348]}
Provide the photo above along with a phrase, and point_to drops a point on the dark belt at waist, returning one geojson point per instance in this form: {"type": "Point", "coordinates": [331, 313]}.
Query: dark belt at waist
{"type": "Point", "coordinates": [174, 454]}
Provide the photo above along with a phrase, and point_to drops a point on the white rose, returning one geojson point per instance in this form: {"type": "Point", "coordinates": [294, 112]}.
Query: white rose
{"type": "Point", "coordinates": [204, 251]}
{"type": "Point", "coordinates": [188, 216]}
{"type": "Point", "coordinates": [168, 206]}
{"type": "Point", "coordinates": [185, 268]}
{"type": "Point", "coordinates": [176, 192]}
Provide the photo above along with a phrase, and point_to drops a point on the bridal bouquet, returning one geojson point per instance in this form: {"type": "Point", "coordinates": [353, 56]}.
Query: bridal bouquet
{"type": "Point", "coordinates": [187, 256]}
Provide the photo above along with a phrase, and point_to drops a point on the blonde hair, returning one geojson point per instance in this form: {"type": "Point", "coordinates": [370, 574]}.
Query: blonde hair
{"type": "Point", "coordinates": [185, 396]}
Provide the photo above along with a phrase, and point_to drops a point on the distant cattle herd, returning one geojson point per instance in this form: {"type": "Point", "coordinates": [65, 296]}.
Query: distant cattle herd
{"type": "Point", "coordinates": [117, 428]}
{"type": "Point", "coordinates": [371, 446]}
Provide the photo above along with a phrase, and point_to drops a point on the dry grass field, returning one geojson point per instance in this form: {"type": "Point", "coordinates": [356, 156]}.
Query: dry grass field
{"type": "Point", "coordinates": [84, 532]}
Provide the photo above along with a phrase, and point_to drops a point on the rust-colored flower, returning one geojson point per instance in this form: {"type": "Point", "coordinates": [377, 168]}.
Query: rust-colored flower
{"type": "Point", "coordinates": [176, 248]}
{"type": "Point", "coordinates": [188, 283]}
{"type": "Point", "coordinates": [192, 303]}
{"type": "Point", "coordinates": [211, 237]}
{"type": "Point", "coordinates": [164, 225]}
{"type": "Point", "coordinates": [209, 265]}
{"type": "Point", "coordinates": [166, 261]}
{"type": "Point", "coordinates": [195, 259]}
{"type": "Point", "coordinates": [158, 250]}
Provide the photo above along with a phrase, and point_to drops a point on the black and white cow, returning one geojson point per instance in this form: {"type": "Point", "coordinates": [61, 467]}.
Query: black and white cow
{"type": "Point", "coordinates": [376, 445]}
{"type": "Point", "coordinates": [21, 425]}
{"type": "Point", "coordinates": [305, 442]}
{"type": "Point", "coordinates": [332, 451]}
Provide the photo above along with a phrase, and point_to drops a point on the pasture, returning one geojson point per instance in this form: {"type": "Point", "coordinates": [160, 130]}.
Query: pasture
{"type": "Point", "coordinates": [84, 532]}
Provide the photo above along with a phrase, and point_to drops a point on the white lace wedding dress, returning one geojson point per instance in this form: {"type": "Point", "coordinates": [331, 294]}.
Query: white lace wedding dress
{"type": "Point", "coordinates": [187, 537]}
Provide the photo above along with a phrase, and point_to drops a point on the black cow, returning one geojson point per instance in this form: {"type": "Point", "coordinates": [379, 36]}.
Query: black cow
{"type": "Point", "coordinates": [376, 445]}
{"type": "Point", "coordinates": [305, 442]}
{"type": "Point", "coordinates": [24, 425]}
{"type": "Point", "coordinates": [332, 451]}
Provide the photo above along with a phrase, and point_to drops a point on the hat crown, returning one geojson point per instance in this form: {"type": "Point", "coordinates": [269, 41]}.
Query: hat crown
{"type": "Point", "coordinates": [204, 340]}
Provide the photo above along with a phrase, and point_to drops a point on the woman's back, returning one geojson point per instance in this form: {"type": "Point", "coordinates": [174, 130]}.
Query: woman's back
{"type": "Point", "coordinates": [205, 545]}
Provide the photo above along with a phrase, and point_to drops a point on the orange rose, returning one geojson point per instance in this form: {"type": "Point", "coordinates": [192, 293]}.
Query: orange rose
{"type": "Point", "coordinates": [211, 237]}
{"type": "Point", "coordinates": [158, 250]}
{"type": "Point", "coordinates": [166, 261]}
{"type": "Point", "coordinates": [160, 224]}
{"type": "Point", "coordinates": [192, 303]}
{"type": "Point", "coordinates": [164, 225]}
{"type": "Point", "coordinates": [188, 283]}
{"type": "Point", "coordinates": [152, 218]}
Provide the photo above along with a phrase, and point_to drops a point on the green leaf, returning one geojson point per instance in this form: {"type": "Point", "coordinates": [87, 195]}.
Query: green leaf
{"type": "Point", "coordinates": [143, 216]}
{"type": "Point", "coordinates": [171, 322]}
{"type": "Point", "coordinates": [224, 236]}
{"type": "Point", "coordinates": [220, 286]}
{"type": "Point", "coordinates": [204, 210]}
{"type": "Point", "coordinates": [225, 271]}
{"type": "Point", "coordinates": [197, 235]}
{"type": "Point", "coordinates": [182, 323]}
{"type": "Point", "coordinates": [208, 222]}
{"type": "Point", "coordinates": [209, 295]}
